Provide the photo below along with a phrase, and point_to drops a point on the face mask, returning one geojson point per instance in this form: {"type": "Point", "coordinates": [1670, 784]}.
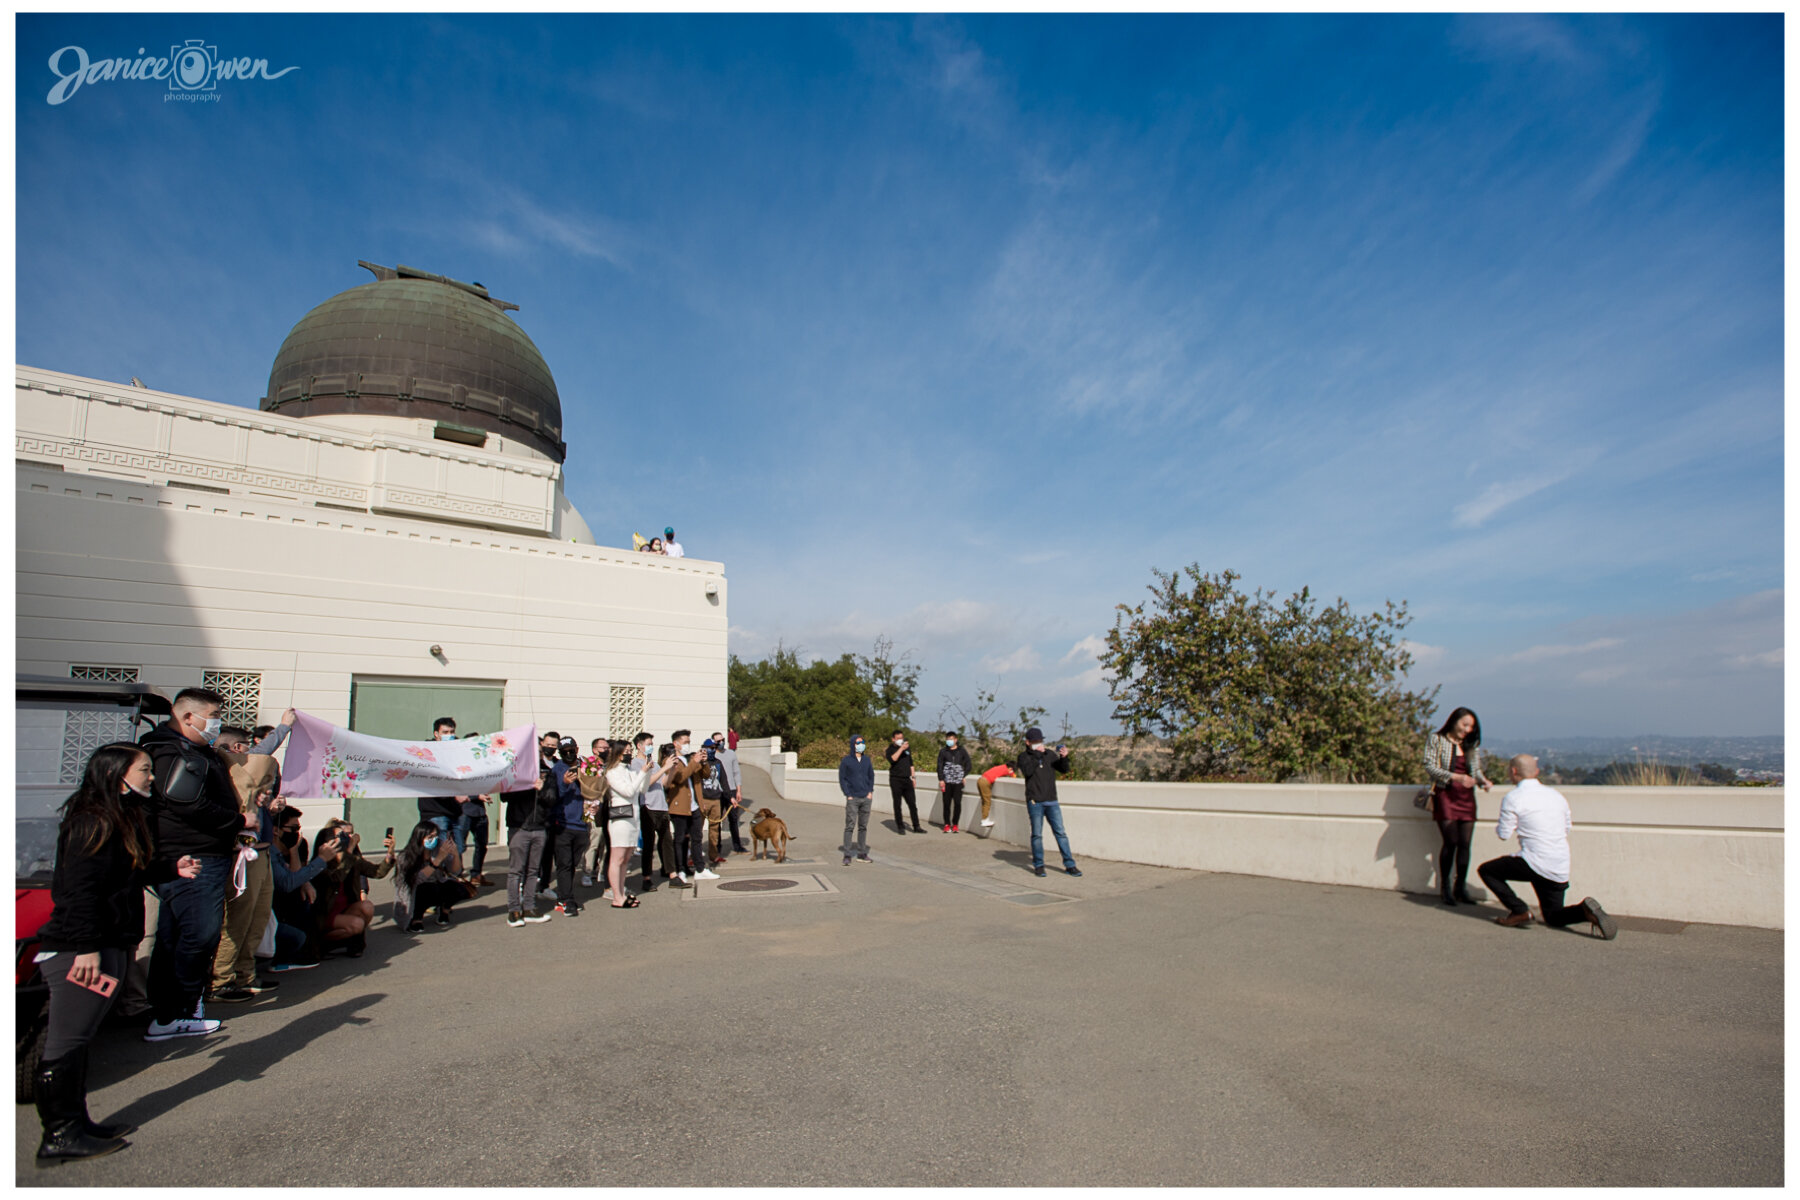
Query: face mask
{"type": "Point", "coordinates": [446, 737]}
{"type": "Point", "coordinates": [950, 742]}
{"type": "Point", "coordinates": [859, 747]}
{"type": "Point", "coordinates": [132, 789]}
{"type": "Point", "coordinates": [290, 837]}
{"type": "Point", "coordinates": [431, 843]}
{"type": "Point", "coordinates": [212, 730]}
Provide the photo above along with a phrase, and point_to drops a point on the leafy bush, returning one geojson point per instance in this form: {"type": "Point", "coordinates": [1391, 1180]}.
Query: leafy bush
{"type": "Point", "coordinates": [824, 754]}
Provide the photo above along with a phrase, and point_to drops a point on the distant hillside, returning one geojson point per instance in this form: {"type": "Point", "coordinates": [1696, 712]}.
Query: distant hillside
{"type": "Point", "coordinates": [1109, 756]}
{"type": "Point", "coordinates": [1749, 753]}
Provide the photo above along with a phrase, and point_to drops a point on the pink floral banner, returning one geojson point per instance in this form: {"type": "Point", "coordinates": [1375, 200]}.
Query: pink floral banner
{"type": "Point", "coordinates": [325, 762]}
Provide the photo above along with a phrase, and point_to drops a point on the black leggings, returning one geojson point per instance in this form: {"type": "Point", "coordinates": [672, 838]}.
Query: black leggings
{"type": "Point", "coordinates": [1454, 851]}
{"type": "Point", "coordinates": [953, 803]}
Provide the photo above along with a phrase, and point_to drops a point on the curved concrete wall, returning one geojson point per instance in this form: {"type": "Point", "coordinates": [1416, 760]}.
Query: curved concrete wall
{"type": "Point", "coordinates": [1686, 854]}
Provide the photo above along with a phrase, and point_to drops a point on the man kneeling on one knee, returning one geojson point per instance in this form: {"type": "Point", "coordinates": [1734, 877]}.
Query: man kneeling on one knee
{"type": "Point", "coordinates": [1540, 816]}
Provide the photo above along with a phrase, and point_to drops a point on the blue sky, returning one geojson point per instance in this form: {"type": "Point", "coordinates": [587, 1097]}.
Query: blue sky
{"type": "Point", "coordinates": [963, 325]}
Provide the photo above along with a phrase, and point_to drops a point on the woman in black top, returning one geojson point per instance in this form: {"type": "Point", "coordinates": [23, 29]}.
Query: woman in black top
{"type": "Point", "coordinates": [103, 862]}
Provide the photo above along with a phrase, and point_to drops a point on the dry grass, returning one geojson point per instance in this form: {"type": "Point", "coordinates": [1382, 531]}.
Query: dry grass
{"type": "Point", "coordinates": [1654, 774]}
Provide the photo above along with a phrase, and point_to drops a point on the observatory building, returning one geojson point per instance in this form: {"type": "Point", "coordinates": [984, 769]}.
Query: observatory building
{"type": "Point", "coordinates": [384, 540]}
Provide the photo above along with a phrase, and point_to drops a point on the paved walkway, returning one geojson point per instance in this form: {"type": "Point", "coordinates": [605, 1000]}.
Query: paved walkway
{"type": "Point", "coordinates": [929, 1022]}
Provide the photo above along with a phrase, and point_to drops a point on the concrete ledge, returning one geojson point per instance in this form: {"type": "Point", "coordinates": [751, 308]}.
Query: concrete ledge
{"type": "Point", "coordinates": [1713, 855]}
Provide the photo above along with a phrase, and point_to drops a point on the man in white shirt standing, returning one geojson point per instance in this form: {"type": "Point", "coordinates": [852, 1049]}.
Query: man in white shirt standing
{"type": "Point", "coordinates": [671, 547]}
{"type": "Point", "coordinates": [1540, 816]}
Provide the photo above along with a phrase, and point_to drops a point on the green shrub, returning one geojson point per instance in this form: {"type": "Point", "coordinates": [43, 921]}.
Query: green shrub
{"type": "Point", "coordinates": [824, 754]}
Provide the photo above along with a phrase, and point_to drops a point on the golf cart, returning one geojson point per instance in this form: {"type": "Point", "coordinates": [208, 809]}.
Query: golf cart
{"type": "Point", "coordinates": [57, 721]}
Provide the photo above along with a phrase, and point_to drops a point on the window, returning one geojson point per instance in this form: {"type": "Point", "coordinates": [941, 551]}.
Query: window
{"type": "Point", "coordinates": [243, 695]}
{"type": "Point", "coordinates": [625, 712]}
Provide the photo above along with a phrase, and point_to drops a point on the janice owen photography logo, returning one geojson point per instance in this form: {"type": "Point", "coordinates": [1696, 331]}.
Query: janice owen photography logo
{"type": "Point", "coordinates": [193, 71]}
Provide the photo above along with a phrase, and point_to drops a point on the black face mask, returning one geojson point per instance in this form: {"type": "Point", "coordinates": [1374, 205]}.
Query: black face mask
{"type": "Point", "coordinates": [290, 837]}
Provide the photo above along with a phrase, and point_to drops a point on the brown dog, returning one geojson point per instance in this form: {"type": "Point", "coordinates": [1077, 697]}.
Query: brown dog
{"type": "Point", "coordinates": [769, 829]}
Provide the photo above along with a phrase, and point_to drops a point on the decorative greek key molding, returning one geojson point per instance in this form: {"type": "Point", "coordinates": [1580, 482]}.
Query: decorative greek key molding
{"type": "Point", "coordinates": [158, 464]}
{"type": "Point", "coordinates": [501, 512]}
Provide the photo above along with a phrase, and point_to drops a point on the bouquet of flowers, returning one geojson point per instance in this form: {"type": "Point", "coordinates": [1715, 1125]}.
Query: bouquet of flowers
{"type": "Point", "coordinates": [592, 781]}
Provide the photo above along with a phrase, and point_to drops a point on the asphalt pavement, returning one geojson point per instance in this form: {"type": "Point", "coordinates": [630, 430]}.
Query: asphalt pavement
{"type": "Point", "coordinates": [942, 1017]}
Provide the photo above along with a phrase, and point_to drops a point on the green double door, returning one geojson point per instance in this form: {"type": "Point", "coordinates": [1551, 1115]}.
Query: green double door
{"type": "Point", "coordinates": [399, 709]}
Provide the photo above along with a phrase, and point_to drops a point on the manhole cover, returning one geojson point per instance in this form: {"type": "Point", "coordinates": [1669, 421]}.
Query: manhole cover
{"type": "Point", "coordinates": [758, 885]}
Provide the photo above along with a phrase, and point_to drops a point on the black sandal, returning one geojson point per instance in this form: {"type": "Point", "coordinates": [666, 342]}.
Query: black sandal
{"type": "Point", "coordinates": [630, 902]}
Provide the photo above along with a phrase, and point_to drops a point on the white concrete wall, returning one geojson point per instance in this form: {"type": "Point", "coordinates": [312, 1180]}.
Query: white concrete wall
{"type": "Point", "coordinates": [1689, 854]}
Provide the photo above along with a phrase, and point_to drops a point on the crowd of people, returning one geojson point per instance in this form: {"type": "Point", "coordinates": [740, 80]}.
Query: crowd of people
{"type": "Point", "coordinates": [194, 811]}
{"type": "Point", "coordinates": [243, 897]}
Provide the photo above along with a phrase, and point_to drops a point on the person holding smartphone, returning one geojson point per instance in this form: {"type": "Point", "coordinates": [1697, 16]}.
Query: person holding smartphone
{"type": "Point", "coordinates": [1040, 766]}
{"type": "Point", "coordinates": [103, 863]}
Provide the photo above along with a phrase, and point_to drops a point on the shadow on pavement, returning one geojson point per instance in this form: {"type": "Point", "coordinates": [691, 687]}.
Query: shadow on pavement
{"type": "Point", "coordinates": [248, 1060]}
{"type": "Point", "coordinates": [1478, 912]}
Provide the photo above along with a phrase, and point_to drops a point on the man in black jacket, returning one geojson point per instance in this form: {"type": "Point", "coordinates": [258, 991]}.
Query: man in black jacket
{"type": "Point", "coordinates": [1040, 767]}
{"type": "Point", "coordinates": [525, 843]}
{"type": "Point", "coordinates": [193, 811]}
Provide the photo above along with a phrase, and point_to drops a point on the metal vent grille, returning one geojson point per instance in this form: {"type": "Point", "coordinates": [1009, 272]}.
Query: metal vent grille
{"type": "Point", "coordinates": [105, 674]}
{"type": "Point", "coordinates": [625, 712]}
{"type": "Point", "coordinates": [243, 695]}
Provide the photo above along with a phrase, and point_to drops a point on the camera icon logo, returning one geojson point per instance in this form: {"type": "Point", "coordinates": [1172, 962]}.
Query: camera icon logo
{"type": "Point", "coordinates": [193, 67]}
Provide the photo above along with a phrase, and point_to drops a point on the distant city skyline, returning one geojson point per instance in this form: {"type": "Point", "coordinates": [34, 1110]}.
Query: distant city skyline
{"type": "Point", "coordinates": [953, 328]}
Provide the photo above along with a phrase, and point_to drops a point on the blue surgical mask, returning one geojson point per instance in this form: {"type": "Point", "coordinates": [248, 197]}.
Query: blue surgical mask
{"type": "Point", "coordinates": [211, 733]}
{"type": "Point", "coordinates": [860, 747]}
{"type": "Point", "coordinates": [431, 843]}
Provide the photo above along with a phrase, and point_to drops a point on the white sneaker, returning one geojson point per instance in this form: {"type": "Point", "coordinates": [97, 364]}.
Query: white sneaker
{"type": "Point", "coordinates": [607, 894]}
{"type": "Point", "coordinates": [709, 873]}
{"type": "Point", "coordinates": [684, 877]}
{"type": "Point", "coordinates": [548, 894]}
{"type": "Point", "coordinates": [161, 1031]}
{"type": "Point", "coordinates": [987, 823]}
{"type": "Point", "coordinates": [587, 881]}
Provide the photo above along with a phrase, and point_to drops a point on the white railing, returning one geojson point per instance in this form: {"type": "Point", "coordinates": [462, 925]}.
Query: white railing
{"type": "Point", "coordinates": [1689, 854]}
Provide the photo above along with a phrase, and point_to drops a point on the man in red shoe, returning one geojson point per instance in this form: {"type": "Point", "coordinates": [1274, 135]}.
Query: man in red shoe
{"type": "Point", "coordinates": [1540, 816]}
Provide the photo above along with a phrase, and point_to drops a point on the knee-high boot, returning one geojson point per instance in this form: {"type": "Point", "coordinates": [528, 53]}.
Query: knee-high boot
{"type": "Point", "coordinates": [62, 1107]}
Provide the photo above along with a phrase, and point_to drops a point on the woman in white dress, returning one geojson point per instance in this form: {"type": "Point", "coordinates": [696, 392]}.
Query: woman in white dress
{"type": "Point", "coordinates": [619, 809]}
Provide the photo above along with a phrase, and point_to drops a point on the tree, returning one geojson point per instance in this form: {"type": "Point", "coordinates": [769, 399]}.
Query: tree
{"type": "Point", "coordinates": [894, 680]}
{"type": "Point", "coordinates": [1242, 686]}
{"type": "Point", "coordinates": [780, 697]}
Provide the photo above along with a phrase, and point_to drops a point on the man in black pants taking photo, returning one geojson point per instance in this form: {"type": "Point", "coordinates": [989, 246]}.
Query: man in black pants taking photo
{"type": "Point", "coordinates": [901, 777]}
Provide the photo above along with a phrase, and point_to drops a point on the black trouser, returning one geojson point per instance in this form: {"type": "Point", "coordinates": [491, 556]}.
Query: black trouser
{"type": "Point", "coordinates": [435, 893]}
{"type": "Point", "coordinates": [75, 1011]}
{"type": "Point", "coordinates": [657, 839]}
{"type": "Point", "coordinates": [953, 803]}
{"type": "Point", "coordinates": [902, 788]}
{"type": "Point", "coordinates": [571, 844]}
{"type": "Point", "coordinates": [690, 846]}
{"type": "Point", "coordinates": [1496, 871]}
{"type": "Point", "coordinates": [1453, 856]}
{"type": "Point", "coordinates": [547, 864]}
{"type": "Point", "coordinates": [737, 836]}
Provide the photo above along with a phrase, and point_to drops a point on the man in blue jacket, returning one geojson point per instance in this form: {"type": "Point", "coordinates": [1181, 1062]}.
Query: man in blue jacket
{"type": "Point", "coordinates": [856, 779]}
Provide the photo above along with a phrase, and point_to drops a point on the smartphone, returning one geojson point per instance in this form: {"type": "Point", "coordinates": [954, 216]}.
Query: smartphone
{"type": "Point", "coordinates": [390, 832]}
{"type": "Point", "coordinates": [104, 986]}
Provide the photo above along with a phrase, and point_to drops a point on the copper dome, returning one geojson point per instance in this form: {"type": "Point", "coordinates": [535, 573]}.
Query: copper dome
{"type": "Point", "coordinates": [413, 344]}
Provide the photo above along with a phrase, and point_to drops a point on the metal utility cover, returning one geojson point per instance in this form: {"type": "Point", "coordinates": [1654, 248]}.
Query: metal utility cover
{"type": "Point", "coordinates": [756, 886]}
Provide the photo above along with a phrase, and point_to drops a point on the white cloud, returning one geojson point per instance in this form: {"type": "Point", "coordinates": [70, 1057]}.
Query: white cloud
{"type": "Point", "coordinates": [1025, 658]}
{"type": "Point", "coordinates": [1767, 658]}
{"type": "Point", "coordinates": [1091, 646]}
{"type": "Point", "coordinates": [1497, 496]}
{"type": "Point", "coordinates": [1091, 682]}
{"type": "Point", "coordinates": [1541, 653]}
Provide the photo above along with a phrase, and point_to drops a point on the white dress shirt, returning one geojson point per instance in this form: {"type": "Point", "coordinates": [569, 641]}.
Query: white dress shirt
{"type": "Point", "coordinates": [1540, 816]}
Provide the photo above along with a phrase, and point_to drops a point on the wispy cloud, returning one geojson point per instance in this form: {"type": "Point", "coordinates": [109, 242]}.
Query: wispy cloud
{"type": "Point", "coordinates": [1623, 148]}
{"type": "Point", "coordinates": [1092, 646]}
{"type": "Point", "coordinates": [1025, 658]}
{"type": "Point", "coordinates": [1533, 654]}
{"type": "Point", "coordinates": [1501, 495]}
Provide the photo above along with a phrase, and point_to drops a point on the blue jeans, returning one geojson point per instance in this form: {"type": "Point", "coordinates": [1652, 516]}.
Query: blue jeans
{"type": "Point", "coordinates": [459, 833]}
{"type": "Point", "coordinates": [187, 938]}
{"type": "Point", "coordinates": [1053, 810]}
{"type": "Point", "coordinates": [443, 823]}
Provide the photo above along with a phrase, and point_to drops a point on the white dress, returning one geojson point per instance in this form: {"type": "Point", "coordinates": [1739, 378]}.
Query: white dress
{"type": "Point", "coordinates": [626, 784]}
